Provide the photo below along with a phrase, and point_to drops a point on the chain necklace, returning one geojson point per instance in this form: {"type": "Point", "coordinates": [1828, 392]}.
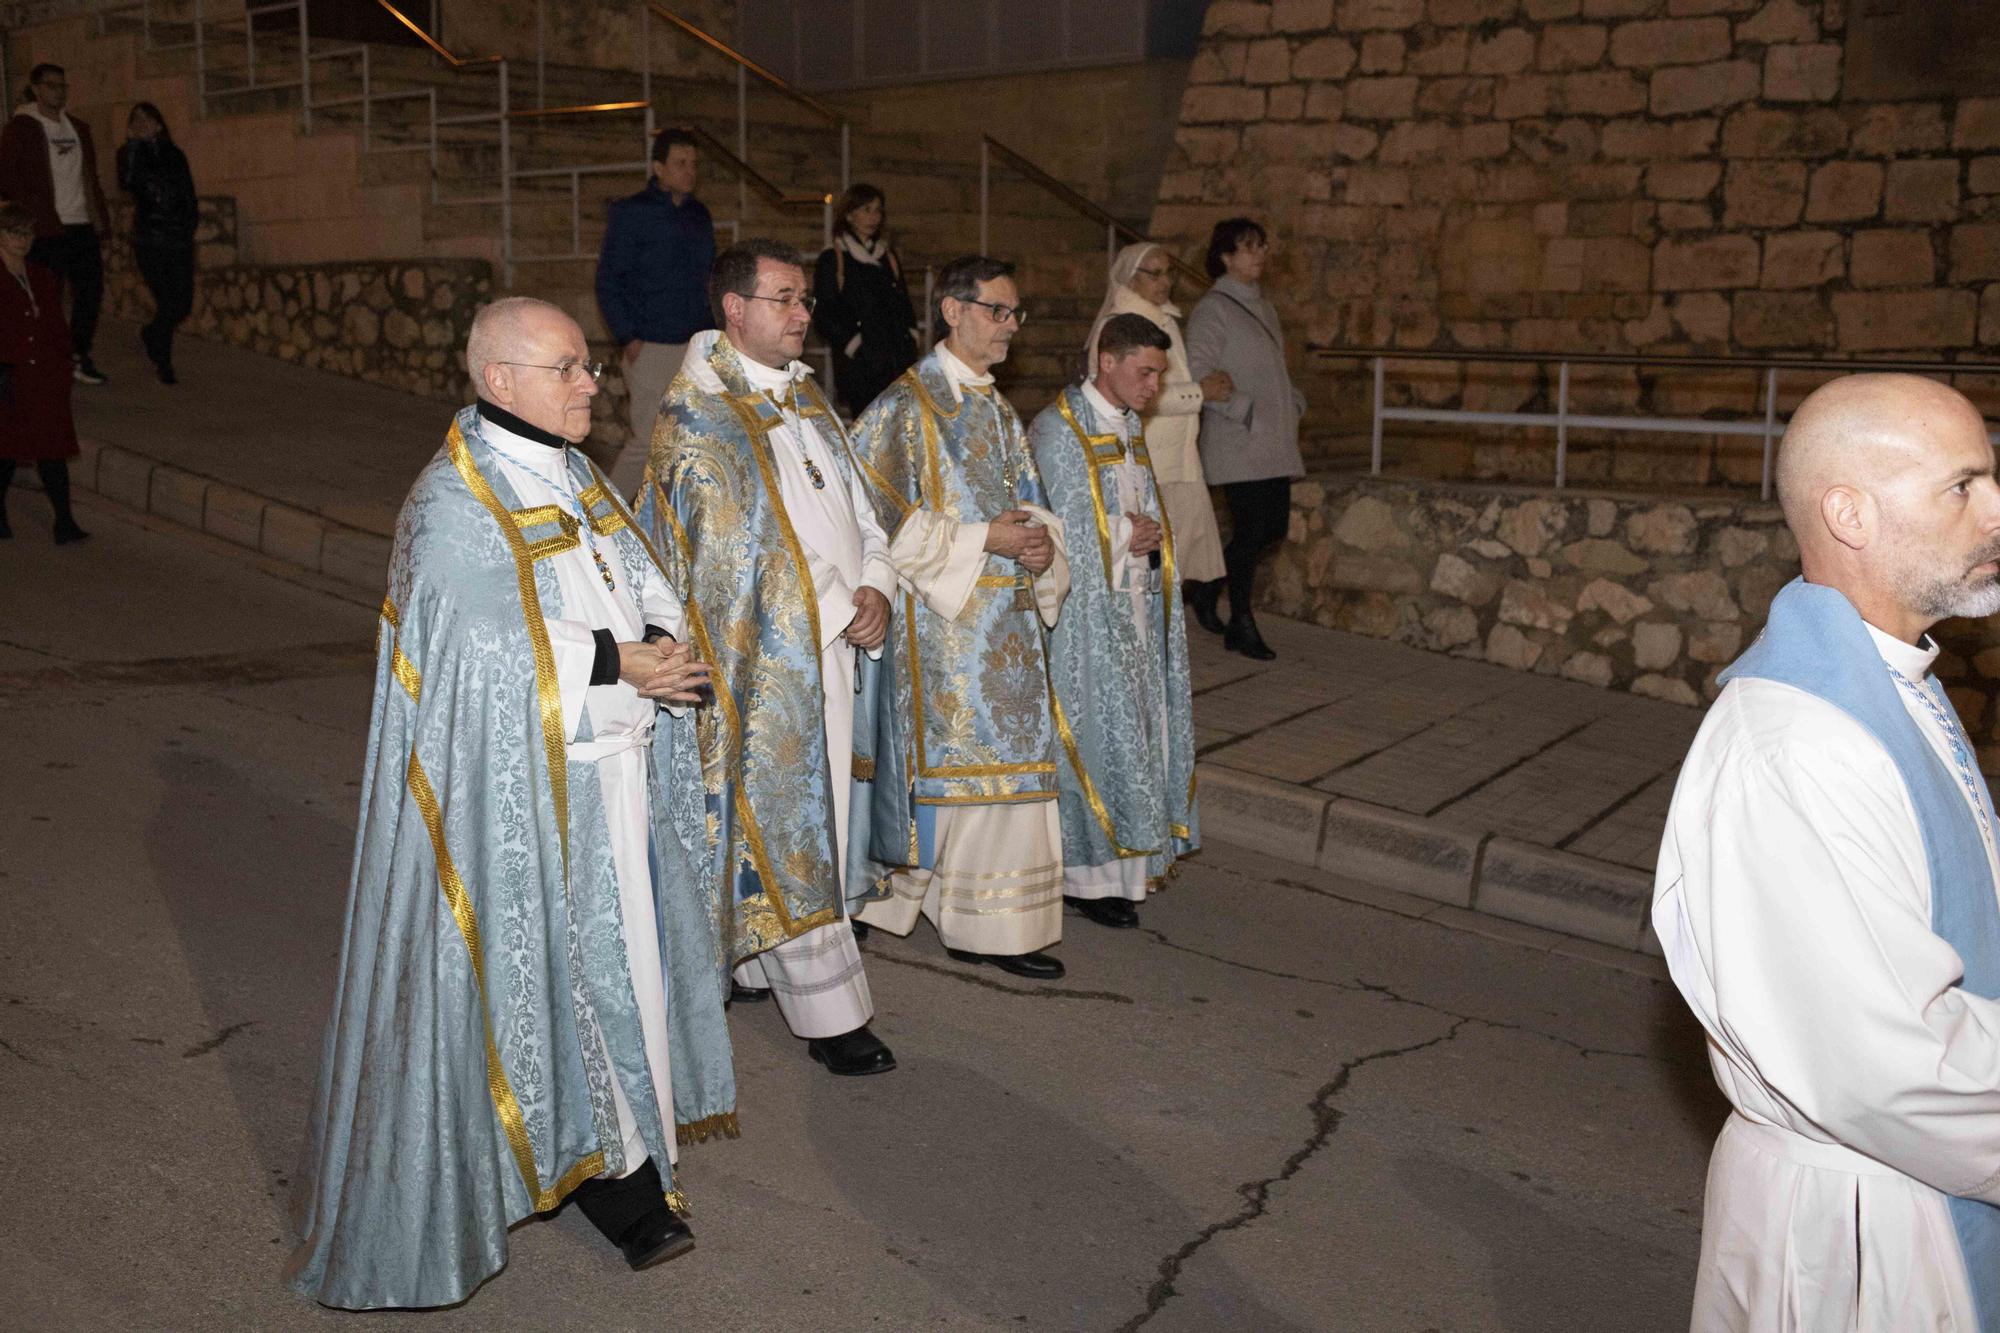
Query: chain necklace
{"type": "Point", "coordinates": [584, 529]}
{"type": "Point", "coordinates": [798, 424]}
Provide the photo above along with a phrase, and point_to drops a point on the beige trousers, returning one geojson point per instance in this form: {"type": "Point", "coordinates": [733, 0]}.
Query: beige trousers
{"type": "Point", "coordinates": [646, 381]}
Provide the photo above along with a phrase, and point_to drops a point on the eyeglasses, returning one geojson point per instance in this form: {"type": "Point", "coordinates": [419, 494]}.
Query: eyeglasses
{"type": "Point", "coordinates": [805, 303]}
{"type": "Point", "coordinates": [1150, 273]}
{"type": "Point", "coordinates": [567, 372]}
{"type": "Point", "coordinates": [1002, 313]}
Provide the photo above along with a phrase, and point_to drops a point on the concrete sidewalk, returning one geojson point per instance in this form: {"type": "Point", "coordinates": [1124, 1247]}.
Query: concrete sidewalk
{"type": "Point", "coordinates": [1453, 784]}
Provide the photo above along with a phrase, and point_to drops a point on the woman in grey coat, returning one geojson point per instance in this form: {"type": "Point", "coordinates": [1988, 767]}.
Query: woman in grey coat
{"type": "Point", "coordinates": [1249, 441]}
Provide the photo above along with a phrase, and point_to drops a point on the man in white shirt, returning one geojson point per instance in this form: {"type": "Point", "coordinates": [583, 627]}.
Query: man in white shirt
{"type": "Point", "coordinates": [48, 165]}
{"type": "Point", "coordinates": [1826, 895]}
{"type": "Point", "coordinates": [756, 506]}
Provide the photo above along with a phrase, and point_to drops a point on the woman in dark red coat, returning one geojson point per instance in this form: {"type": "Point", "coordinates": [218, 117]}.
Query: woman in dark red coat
{"type": "Point", "coordinates": [35, 422]}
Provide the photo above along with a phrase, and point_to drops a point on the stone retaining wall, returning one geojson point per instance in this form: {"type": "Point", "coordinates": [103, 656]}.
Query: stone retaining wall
{"type": "Point", "coordinates": [1638, 593]}
{"type": "Point", "coordinates": [391, 322]}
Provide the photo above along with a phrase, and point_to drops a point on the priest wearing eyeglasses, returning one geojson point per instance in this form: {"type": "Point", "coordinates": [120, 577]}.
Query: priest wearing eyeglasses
{"type": "Point", "coordinates": [965, 791]}
{"type": "Point", "coordinates": [529, 1005]}
{"type": "Point", "coordinates": [754, 500]}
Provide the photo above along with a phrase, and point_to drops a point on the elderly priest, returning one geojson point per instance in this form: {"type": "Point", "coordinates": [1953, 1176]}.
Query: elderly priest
{"type": "Point", "coordinates": [1827, 894]}
{"type": "Point", "coordinates": [1118, 663]}
{"type": "Point", "coordinates": [530, 999]}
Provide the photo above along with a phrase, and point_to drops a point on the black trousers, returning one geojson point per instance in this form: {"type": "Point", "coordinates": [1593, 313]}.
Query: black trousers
{"type": "Point", "coordinates": [54, 473]}
{"type": "Point", "coordinates": [615, 1206]}
{"type": "Point", "coordinates": [76, 258]}
{"type": "Point", "coordinates": [1260, 512]}
{"type": "Point", "coordinates": [169, 275]}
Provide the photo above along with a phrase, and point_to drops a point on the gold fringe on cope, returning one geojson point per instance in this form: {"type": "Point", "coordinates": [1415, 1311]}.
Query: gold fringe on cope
{"type": "Point", "coordinates": [677, 1200]}
{"type": "Point", "coordinates": [715, 1126]}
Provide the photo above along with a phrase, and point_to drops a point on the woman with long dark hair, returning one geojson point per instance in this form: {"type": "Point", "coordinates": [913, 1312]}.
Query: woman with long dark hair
{"type": "Point", "coordinates": [863, 306]}
{"type": "Point", "coordinates": [154, 171]}
{"type": "Point", "coordinates": [1249, 440]}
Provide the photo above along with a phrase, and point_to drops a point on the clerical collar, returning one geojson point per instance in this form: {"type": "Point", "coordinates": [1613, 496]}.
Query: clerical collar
{"type": "Point", "coordinates": [958, 372]}
{"type": "Point", "coordinates": [1101, 405]}
{"type": "Point", "coordinates": [771, 378]}
{"type": "Point", "coordinates": [507, 421]}
{"type": "Point", "coordinates": [1913, 660]}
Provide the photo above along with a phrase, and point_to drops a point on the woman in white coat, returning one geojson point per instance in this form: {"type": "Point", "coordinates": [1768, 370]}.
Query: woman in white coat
{"type": "Point", "coordinates": [1142, 282]}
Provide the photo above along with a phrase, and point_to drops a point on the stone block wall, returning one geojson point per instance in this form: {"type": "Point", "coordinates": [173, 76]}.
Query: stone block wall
{"type": "Point", "coordinates": [398, 323]}
{"type": "Point", "coordinates": [1587, 175]}
{"type": "Point", "coordinates": [1646, 594]}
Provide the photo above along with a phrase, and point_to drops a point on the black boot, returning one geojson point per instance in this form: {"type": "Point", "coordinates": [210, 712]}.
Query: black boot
{"type": "Point", "coordinates": [1241, 636]}
{"type": "Point", "coordinates": [1201, 599]}
{"type": "Point", "coordinates": [55, 484]}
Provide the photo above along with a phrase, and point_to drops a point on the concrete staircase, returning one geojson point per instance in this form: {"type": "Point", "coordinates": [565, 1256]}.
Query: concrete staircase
{"type": "Point", "coordinates": [446, 203]}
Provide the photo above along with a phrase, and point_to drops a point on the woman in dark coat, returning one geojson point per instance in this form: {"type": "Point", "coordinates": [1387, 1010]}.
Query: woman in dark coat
{"type": "Point", "coordinates": [35, 380]}
{"type": "Point", "coordinates": [154, 171]}
{"type": "Point", "coordinates": [863, 308]}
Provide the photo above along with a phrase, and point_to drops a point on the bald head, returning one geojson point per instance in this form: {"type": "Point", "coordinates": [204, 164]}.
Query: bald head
{"type": "Point", "coordinates": [529, 357]}
{"type": "Point", "coordinates": [1887, 482]}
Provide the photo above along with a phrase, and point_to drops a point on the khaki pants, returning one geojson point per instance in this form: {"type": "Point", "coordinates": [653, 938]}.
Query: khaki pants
{"type": "Point", "coordinates": [646, 381]}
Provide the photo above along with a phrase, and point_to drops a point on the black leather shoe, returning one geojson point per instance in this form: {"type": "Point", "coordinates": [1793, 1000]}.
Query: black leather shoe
{"type": "Point", "coordinates": [852, 1053]}
{"type": "Point", "coordinates": [1034, 966]}
{"type": "Point", "coordinates": [742, 994]}
{"type": "Point", "coordinates": [655, 1238]}
{"type": "Point", "coordinates": [1118, 913]}
{"type": "Point", "coordinates": [860, 929]}
{"type": "Point", "coordinates": [1201, 599]}
{"type": "Point", "coordinates": [1241, 636]}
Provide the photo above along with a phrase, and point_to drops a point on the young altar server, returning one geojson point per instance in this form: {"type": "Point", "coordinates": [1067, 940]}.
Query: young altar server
{"type": "Point", "coordinates": [1827, 894]}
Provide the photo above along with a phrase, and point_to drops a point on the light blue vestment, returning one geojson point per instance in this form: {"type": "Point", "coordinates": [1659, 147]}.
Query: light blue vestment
{"type": "Point", "coordinates": [1815, 641]}
{"type": "Point", "coordinates": [1127, 780]}
{"type": "Point", "coordinates": [484, 1003]}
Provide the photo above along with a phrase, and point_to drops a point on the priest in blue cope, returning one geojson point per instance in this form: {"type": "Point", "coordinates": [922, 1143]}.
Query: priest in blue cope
{"type": "Point", "coordinates": [529, 1002]}
{"type": "Point", "coordinates": [1118, 665]}
{"type": "Point", "coordinates": [1828, 896]}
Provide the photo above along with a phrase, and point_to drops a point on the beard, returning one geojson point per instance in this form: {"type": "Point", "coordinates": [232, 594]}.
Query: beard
{"type": "Point", "coordinates": [1942, 595]}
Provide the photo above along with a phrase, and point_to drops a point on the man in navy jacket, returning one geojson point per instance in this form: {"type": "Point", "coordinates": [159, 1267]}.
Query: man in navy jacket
{"type": "Point", "coordinates": [652, 286]}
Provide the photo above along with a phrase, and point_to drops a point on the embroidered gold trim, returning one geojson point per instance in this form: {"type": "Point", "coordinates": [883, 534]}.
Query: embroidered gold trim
{"type": "Point", "coordinates": [1091, 443]}
{"type": "Point", "coordinates": [1004, 581]}
{"type": "Point", "coordinates": [760, 449]}
{"type": "Point", "coordinates": [984, 800]}
{"type": "Point", "coordinates": [390, 614]}
{"type": "Point", "coordinates": [1090, 795]}
{"type": "Point", "coordinates": [599, 493]}
{"type": "Point", "coordinates": [1179, 831]}
{"type": "Point", "coordinates": [864, 769]}
{"type": "Point", "coordinates": [585, 1169]}
{"type": "Point", "coordinates": [405, 671]}
{"type": "Point", "coordinates": [505, 1104]}
{"type": "Point", "coordinates": [721, 1125]}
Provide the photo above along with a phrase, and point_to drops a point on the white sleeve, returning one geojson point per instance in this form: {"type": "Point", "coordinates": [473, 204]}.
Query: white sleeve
{"type": "Point", "coordinates": [1806, 908]}
{"type": "Point", "coordinates": [1052, 584]}
{"type": "Point", "coordinates": [939, 559]}
{"type": "Point", "coordinates": [660, 605]}
{"type": "Point", "coordinates": [1180, 399]}
{"type": "Point", "coordinates": [575, 649]}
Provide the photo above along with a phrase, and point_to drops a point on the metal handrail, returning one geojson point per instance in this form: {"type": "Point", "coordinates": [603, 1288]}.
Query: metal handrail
{"type": "Point", "coordinates": [1770, 427]}
{"type": "Point", "coordinates": [593, 108]}
{"type": "Point", "coordinates": [813, 104]}
{"type": "Point", "coordinates": [437, 47]}
{"type": "Point", "coordinates": [756, 180]}
{"type": "Point", "coordinates": [989, 146]}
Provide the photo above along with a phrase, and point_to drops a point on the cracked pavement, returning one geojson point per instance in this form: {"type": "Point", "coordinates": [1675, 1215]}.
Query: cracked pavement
{"type": "Point", "coordinates": [1279, 1105]}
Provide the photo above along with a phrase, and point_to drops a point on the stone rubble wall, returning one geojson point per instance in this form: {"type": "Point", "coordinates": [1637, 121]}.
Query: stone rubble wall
{"type": "Point", "coordinates": [1669, 176]}
{"type": "Point", "coordinates": [1645, 594]}
{"type": "Point", "coordinates": [390, 322]}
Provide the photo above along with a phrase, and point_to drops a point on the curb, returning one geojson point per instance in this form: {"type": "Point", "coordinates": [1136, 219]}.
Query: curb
{"type": "Point", "coordinates": [284, 532]}
{"type": "Point", "coordinates": [1481, 872]}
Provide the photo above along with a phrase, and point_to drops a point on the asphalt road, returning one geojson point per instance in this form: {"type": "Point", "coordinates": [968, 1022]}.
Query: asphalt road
{"type": "Point", "coordinates": [1279, 1106]}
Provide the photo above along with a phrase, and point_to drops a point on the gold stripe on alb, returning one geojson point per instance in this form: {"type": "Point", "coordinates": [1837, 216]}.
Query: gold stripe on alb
{"type": "Point", "coordinates": [504, 1102]}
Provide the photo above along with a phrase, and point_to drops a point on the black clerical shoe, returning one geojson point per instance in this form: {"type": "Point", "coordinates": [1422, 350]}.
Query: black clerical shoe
{"type": "Point", "coordinates": [1118, 913]}
{"type": "Point", "coordinates": [1241, 636]}
{"type": "Point", "coordinates": [655, 1238]}
{"type": "Point", "coordinates": [1034, 966]}
{"type": "Point", "coordinates": [860, 929]}
{"type": "Point", "coordinates": [742, 994]}
{"type": "Point", "coordinates": [1201, 599]}
{"type": "Point", "coordinates": [852, 1053]}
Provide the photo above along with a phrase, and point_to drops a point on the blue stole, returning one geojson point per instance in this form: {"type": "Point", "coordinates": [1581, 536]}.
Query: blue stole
{"type": "Point", "coordinates": [1815, 641]}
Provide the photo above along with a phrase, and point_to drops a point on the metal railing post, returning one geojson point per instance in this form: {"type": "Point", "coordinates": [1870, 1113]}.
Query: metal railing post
{"type": "Point", "coordinates": [368, 111]}
{"type": "Point", "coordinates": [1110, 243]}
{"type": "Point", "coordinates": [742, 138]}
{"type": "Point", "coordinates": [506, 184]}
{"type": "Point", "coordinates": [1375, 439]}
{"type": "Point", "coordinates": [1770, 426]}
{"type": "Point", "coordinates": [646, 75]}
{"type": "Point", "coordinates": [1562, 423]}
{"type": "Point", "coordinates": [305, 67]}
{"type": "Point", "coordinates": [930, 307]}
{"type": "Point", "coordinates": [250, 45]}
{"type": "Point", "coordinates": [985, 173]}
{"type": "Point", "coordinates": [846, 157]}
{"type": "Point", "coordinates": [826, 223]}
{"type": "Point", "coordinates": [541, 53]}
{"type": "Point", "coordinates": [575, 212]}
{"type": "Point", "coordinates": [200, 64]}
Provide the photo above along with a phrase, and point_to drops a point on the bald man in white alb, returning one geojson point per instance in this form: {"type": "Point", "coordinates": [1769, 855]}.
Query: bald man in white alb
{"type": "Point", "coordinates": [1826, 895]}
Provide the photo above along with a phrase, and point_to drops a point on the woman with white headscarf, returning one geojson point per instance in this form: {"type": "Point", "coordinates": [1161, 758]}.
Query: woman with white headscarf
{"type": "Point", "coordinates": [1142, 282]}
